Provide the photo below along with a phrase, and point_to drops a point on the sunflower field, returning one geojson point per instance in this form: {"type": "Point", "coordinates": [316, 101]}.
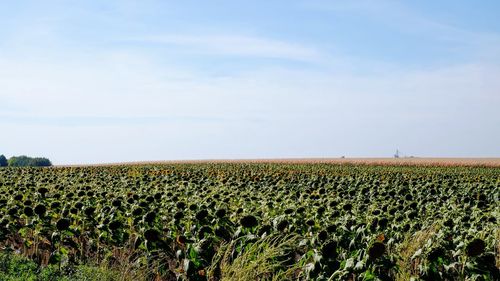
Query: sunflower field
{"type": "Point", "coordinates": [237, 221]}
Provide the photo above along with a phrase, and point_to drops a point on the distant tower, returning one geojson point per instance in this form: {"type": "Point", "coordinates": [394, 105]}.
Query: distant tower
{"type": "Point", "coordinates": [396, 155]}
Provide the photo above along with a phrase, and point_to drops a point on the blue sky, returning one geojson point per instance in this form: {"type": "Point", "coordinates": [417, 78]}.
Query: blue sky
{"type": "Point", "coordinates": [110, 81]}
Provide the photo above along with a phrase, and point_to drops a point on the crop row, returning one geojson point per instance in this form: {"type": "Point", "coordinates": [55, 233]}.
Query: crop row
{"type": "Point", "coordinates": [347, 222]}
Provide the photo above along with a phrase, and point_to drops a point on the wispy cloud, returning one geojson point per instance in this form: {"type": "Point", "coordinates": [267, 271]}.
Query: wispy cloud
{"type": "Point", "coordinates": [104, 121]}
{"type": "Point", "coordinates": [237, 45]}
{"type": "Point", "coordinates": [127, 103]}
{"type": "Point", "coordinates": [100, 89]}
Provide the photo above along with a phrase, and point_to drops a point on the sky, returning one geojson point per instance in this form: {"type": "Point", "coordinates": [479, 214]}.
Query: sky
{"type": "Point", "coordinates": [114, 81]}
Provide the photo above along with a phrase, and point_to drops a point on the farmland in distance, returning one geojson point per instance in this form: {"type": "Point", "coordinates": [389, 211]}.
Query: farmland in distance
{"type": "Point", "coordinates": [258, 220]}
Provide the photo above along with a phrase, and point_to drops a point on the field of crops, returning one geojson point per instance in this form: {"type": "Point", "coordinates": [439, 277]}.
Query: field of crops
{"type": "Point", "coordinates": [257, 221]}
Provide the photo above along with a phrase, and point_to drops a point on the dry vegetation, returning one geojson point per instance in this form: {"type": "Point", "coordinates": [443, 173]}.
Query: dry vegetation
{"type": "Point", "coordinates": [411, 161]}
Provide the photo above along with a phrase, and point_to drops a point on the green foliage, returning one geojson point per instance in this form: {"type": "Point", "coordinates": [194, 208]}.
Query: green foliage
{"type": "Point", "coordinates": [15, 268]}
{"type": "Point", "coordinates": [189, 221]}
{"type": "Point", "coordinates": [25, 161]}
{"type": "Point", "coordinates": [3, 161]}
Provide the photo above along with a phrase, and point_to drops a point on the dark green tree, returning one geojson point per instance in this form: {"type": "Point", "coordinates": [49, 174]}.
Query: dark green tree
{"type": "Point", "coordinates": [3, 161]}
{"type": "Point", "coordinates": [25, 161]}
{"type": "Point", "coordinates": [40, 162]}
{"type": "Point", "coordinates": [19, 161]}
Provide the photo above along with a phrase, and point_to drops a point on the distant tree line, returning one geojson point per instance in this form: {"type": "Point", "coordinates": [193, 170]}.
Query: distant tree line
{"type": "Point", "coordinates": [24, 161]}
{"type": "Point", "coordinates": [3, 161]}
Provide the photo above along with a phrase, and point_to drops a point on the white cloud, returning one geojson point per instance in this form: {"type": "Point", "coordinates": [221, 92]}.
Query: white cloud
{"type": "Point", "coordinates": [238, 45]}
{"type": "Point", "coordinates": [118, 102]}
{"type": "Point", "coordinates": [125, 107]}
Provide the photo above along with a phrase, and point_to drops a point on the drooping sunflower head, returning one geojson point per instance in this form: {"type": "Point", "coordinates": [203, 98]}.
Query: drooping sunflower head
{"type": "Point", "coordinates": [282, 225]}
{"type": "Point", "coordinates": [28, 211]}
{"type": "Point", "coordinates": [329, 250]}
{"type": "Point", "coordinates": [376, 250]}
{"type": "Point", "coordinates": [63, 224]}
{"type": "Point", "coordinates": [152, 235]}
{"type": "Point", "coordinates": [220, 213]}
{"type": "Point", "coordinates": [40, 210]}
{"type": "Point", "coordinates": [202, 214]}
{"type": "Point", "coordinates": [115, 225]}
{"type": "Point", "coordinates": [249, 221]}
{"type": "Point", "coordinates": [475, 248]}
